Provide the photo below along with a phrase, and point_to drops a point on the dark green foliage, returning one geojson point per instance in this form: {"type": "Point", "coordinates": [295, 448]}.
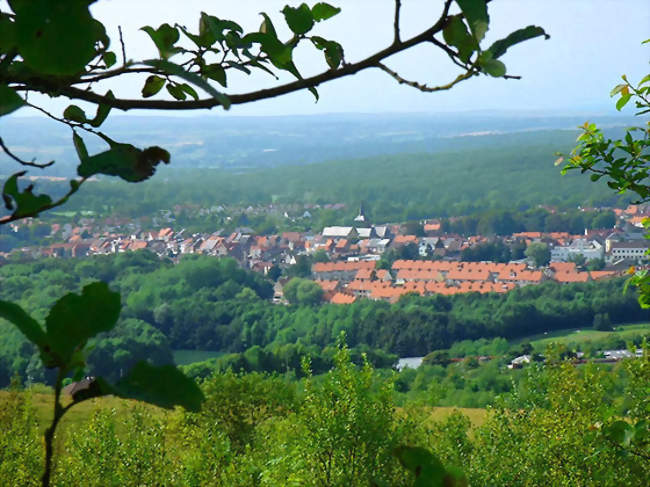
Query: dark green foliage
{"type": "Point", "coordinates": [205, 303]}
{"type": "Point", "coordinates": [427, 185]}
{"type": "Point", "coordinates": [303, 292]}
{"type": "Point", "coordinates": [540, 253]}
{"type": "Point", "coordinates": [602, 322]}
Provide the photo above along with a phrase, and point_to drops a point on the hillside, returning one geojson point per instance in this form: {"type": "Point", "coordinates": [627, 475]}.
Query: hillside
{"type": "Point", "coordinates": [516, 173]}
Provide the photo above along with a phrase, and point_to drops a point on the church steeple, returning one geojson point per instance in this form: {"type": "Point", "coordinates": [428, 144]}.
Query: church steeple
{"type": "Point", "coordinates": [361, 217]}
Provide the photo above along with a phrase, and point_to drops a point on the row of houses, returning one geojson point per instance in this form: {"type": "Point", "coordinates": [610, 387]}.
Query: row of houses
{"type": "Point", "coordinates": [347, 281]}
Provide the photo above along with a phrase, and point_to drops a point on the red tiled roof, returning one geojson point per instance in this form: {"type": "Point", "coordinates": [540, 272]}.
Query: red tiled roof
{"type": "Point", "coordinates": [342, 298]}
{"type": "Point", "coordinates": [572, 277]}
{"type": "Point", "coordinates": [597, 275]}
{"type": "Point", "coordinates": [341, 266]}
{"type": "Point", "coordinates": [328, 285]}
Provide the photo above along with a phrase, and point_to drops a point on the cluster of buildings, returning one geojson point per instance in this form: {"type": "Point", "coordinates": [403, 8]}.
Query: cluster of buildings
{"type": "Point", "coordinates": [344, 282]}
{"type": "Point", "coordinates": [430, 262]}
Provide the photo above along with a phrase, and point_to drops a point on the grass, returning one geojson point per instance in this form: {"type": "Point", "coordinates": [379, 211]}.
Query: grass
{"type": "Point", "coordinates": [186, 357]}
{"type": "Point", "coordinates": [580, 335]}
{"type": "Point", "coordinates": [42, 403]}
{"type": "Point", "coordinates": [477, 416]}
{"type": "Point", "coordinates": [77, 416]}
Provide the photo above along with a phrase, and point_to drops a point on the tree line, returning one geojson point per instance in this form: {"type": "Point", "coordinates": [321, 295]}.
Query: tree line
{"type": "Point", "coordinates": [204, 303]}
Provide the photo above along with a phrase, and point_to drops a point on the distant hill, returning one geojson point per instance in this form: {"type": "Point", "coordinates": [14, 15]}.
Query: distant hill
{"type": "Point", "coordinates": [237, 143]}
{"type": "Point", "coordinates": [515, 173]}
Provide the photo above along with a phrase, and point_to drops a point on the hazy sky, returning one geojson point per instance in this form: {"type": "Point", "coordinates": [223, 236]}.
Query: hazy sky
{"type": "Point", "coordinates": [592, 43]}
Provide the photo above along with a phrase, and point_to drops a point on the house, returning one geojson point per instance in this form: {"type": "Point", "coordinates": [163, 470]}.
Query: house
{"type": "Point", "coordinates": [339, 271]}
{"type": "Point", "coordinates": [631, 250]}
{"type": "Point", "coordinates": [340, 232]}
{"type": "Point", "coordinates": [365, 232]}
{"type": "Point", "coordinates": [589, 249]}
{"type": "Point", "coordinates": [518, 363]}
{"type": "Point", "coordinates": [342, 298]}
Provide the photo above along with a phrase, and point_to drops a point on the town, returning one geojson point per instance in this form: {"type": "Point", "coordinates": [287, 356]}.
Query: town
{"type": "Point", "coordinates": [378, 262]}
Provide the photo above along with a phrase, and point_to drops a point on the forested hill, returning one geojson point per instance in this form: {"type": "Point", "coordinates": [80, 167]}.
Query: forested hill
{"type": "Point", "coordinates": [515, 174]}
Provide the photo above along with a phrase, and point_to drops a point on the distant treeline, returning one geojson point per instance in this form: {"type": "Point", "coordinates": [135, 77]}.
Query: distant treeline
{"type": "Point", "coordinates": [205, 303]}
{"type": "Point", "coordinates": [515, 176]}
{"type": "Point", "coordinates": [506, 222]}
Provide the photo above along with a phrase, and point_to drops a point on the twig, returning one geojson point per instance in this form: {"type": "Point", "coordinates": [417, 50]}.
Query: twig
{"type": "Point", "coordinates": [119, 29]}
{"type": "Point", "coordinates": [22, 161]}
{"type": "Point", "coordinates": [398, 6]}
{"type": "Point", "coordinates": [422, 87]}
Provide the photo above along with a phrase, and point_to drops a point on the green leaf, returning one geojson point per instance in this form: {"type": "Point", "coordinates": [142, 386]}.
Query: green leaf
{"type": "Point", "coordinates": [617, 89]}
{"type": "Point", "coordinates": [216, 73]}
{"type": "Point", "coordinates": [164, 37]}
{"type": "Point", "coordinates": [79, 146]}
{"type": "Point", "coordinates": [267, 26]}
{"type": "Point", "coordinates": [300, 20]}
{"type": "Point", "coordinates": [475, 11]}
{"type": "Point", "coordinates": [75, 114]}
{"type": "Point", "coordinates": [493, 67]}
{"type": "Point", "coordinates": [124, 160]}
{"type": "Point", "coordinates": [176, 91]}
{"type": "Point", "coordinates": [27, 325]}
{"type": "Point", "coordinates": [333, 50]}
{"type": "Point", "coordinates": [23, 203]}
{"type": "Point", "coordinates": [102, 111]}
{"type": "Point", "coordinates": [164, 386]}
{"type": "Point", "coordinates": [323, 11]}
{"type": "Point", "coordinates": [9, 100]}
{"type": "Point", "coordinates": [7, 34]}
{"type": "Point", "coordinates": [75, 318]}
{"type": "Point", "coordinates": [55, 38]}
{"type": "Point", "coordinates": [428, 470]}
{"type": "Point", "coordinates": [152, 85]}
{"type": "Point", "coordinates": [189, 90]}
{"type": "Point", "coordinates": [211, 29]}
{"type": "Point", "coordinates": [109, 58]}
{"type": "Point", "coordinates": [500, 47]}
{"type": "Point", "coordinates": [622, 101]}
{"type": "Point", "coordinates": [620, 432]}
{"type": "Point", "coordinates": [457, 35]}
{"type": "Point", "coordinates": [280, 54]}
{"type": "Point", "coordinates": [193, 78]}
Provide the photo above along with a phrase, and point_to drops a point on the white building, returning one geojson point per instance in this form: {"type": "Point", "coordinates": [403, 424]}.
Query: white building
{"type": "Point", "coordinates": [590, 249]}
{"type": "Point", "coordinates": [633, 251]}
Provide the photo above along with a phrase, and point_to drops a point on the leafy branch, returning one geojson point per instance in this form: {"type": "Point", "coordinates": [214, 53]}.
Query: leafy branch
{"type": "Point", "coordinates": [52, 48]}
{"type": "Point", "coordinates": [71, 322]}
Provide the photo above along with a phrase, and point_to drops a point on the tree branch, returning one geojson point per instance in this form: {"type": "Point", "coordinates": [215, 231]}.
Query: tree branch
{"type": "Point", "coordinates": [398, 6]}
{"type": "Point", "coordinates": [10, 218]}
{"type": "Point", "coordinates": [21, 161]}
{"type": "Point", "coordinates": [48, 87]}
{"type": "Point", "coordinates": [119, 29]}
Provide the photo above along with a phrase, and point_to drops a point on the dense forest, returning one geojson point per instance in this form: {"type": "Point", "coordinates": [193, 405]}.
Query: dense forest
{"type": "Point", "coordinates": [205, 303]}
{"type": "Point", "coordinates": [515, 175]}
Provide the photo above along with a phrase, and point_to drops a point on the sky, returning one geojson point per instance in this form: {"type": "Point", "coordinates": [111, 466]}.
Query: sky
{"type": "Point", "coordinates": [592, 43]}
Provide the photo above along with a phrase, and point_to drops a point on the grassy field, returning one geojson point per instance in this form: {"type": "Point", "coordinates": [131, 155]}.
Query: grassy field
{"type": "Point", "coordinates": [576, 335]}
{"type": "Point", "coordinates": [476, 415]}
{"type": "Point", "coordinates": [78, 415]}
{"type": "Point", "coordinates": [186, 357]}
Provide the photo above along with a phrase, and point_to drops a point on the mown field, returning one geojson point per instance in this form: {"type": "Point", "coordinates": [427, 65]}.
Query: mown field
{"type": "Point", "coordinates": [186, 357]}
{"type": "Point", "coordinates": [581, 335]}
